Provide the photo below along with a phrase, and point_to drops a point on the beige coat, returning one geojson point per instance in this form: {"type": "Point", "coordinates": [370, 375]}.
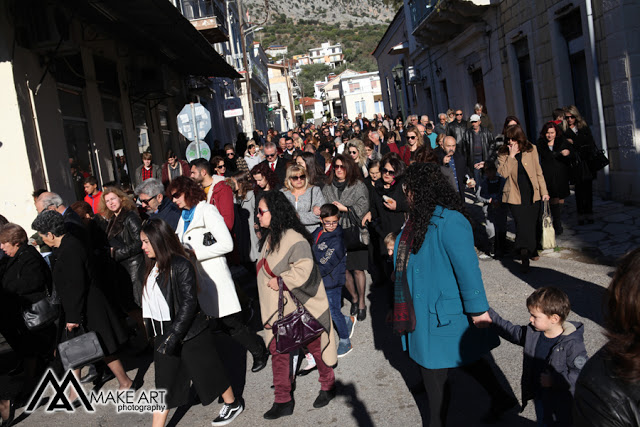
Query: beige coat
{"type": "Point", "coordinates": [293, 261]}
{"type": "Point", "coordinates": [508, 168]}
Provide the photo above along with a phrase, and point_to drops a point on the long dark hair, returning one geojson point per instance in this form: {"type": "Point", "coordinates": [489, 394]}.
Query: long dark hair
{"type": "Point", "coordinates": [165, 244]}
{"type": "Point", "coordinates": [283, 218]}
{"type": "Point", "coordinates": [351, 170]}
{"type": "Point", "coordinates": [623, 318]}
{"type": "Point", "coordinates": [426, 187]}
{"type": "Point", "coordinates": [264, 170]}
{"type": "Point", "coordinates": [516, 133]}
{"type": "Point", "coordinates": [506, 123]}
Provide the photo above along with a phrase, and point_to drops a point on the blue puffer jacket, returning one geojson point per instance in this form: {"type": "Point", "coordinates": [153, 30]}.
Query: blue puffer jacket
{"type": "Point", "coordinates": [566, 358]}
{"type": "Point", "coordinates": [330, 256]}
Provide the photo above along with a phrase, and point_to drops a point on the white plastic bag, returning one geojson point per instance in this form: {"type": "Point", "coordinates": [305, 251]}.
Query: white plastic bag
{"type": "Point", "coordinates": [548, 233]}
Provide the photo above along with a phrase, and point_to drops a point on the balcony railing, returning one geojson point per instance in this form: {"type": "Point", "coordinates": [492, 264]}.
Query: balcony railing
{"type": "Point", "coordinates": [419, 10]}
{"type": "Point", "coordinates": [208, 17]}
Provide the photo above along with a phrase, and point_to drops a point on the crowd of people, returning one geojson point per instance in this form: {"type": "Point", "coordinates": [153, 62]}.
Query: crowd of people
{"type": "Point", "coordinates": [311, 211]}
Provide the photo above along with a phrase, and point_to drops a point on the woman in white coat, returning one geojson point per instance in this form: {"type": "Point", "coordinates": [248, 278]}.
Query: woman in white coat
{"type": "Point", "coordinates": [202, 229]}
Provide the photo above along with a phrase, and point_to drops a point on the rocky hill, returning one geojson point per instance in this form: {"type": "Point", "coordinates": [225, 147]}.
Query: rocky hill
{"type": "Point", "coordinates": [341, 12]}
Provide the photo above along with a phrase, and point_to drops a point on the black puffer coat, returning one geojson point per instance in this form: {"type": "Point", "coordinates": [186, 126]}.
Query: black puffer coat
{"type": "Point", "coordinates": [123, 233]}
{"type": "Point", "coordinates": [385, 220]}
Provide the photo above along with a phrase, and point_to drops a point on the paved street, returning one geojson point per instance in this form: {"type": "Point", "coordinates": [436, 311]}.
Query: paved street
{"type": "Point", "coordinates": [375, 381]}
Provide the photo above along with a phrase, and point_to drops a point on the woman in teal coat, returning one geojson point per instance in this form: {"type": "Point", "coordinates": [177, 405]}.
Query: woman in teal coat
{"type": "Point", "coordinates": [440, 305]}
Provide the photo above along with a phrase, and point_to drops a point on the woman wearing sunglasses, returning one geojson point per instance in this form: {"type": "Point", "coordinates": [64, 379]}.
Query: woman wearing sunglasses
{"type": "Point", "coordinates": [347, 191]}
{"type": "Point", "coordinates": [358, 153]}
{"type": "Point", "coordinates": [219, 166]}
{"type": "Point", "coordinates": [202, 229]}
{"type": "Point", "coordinates": [305, 198]}
{"type": "Point", "coordinates": [414, 141]}
{"type": "Point", "coordinates": [286, 253]}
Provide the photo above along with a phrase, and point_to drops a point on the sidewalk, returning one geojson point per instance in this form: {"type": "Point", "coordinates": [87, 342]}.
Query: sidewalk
{"type": "Point", "coordinates": [616, 231]}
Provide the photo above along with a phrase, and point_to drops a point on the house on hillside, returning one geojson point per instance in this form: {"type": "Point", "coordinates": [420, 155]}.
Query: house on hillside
{"type": "Point", "coordinates": [525, 59]}
{"type": "Point", "coordinates": [327, 53]}
{"type": "Point", "coordinates": [360, 93]}
{"type": "Point", "coordinates": [276, 51]}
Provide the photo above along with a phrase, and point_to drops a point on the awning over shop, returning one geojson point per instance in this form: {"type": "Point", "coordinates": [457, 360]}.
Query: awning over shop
{"type": "Point", "coordinates": [157, 26]}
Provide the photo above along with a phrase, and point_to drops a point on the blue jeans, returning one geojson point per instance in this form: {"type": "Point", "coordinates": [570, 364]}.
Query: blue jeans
{"type": "Point", "coordinates": [335, 301]}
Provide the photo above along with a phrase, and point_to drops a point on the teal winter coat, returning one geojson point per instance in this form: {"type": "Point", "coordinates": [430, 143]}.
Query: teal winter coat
{"type": "Point", "coordinates": [446, 287]}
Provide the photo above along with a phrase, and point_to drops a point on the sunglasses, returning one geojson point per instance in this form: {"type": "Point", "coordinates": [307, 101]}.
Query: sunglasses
{"type": "Point", "coordinates": [386, 171]}
{"type": "Point", "coordinates": [220, 167]}
{"type": "Point", "coordinates": [412, 137]}
{"type": "Point", "coordinates": [270, 155]}
{"type": "Point", "coordinates": [176, 195]}
{"type": "Point", "coordinates": [339, 167]}
{"type": "Point", "coordinates": [353, 152]}
{"type": "Point", "coordinates": [569, 117]}
{"type": "Point", "coordinates": [458, 114]}
{"type": "Point", "coordinates": [146, 201]}
{"type": "Point", "coordinates": [262, 212]}
{"type": "Point", "coordinates": [231, 154]}
{"type": "Point", "coordinates": [298, 177]}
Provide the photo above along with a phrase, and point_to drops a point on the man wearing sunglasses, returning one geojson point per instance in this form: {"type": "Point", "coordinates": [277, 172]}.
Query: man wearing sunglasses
{"type": "Point", "coordinates": [478, 146]}
{"type": "Point", "coordinates": [457, 128]}
{"type": "Point", "coordinates": [276, 164]}
{"type": "Point", "coordinates": [151, 196]}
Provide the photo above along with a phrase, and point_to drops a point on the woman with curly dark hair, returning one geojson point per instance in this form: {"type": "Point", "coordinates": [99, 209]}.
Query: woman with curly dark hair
{"type": "Point", "coordinates": [286, 254]}
{"type": "Point", "coordinates": [315, 174]}
{"type": "Point", "coordinates": [442, 316]}
{"type": "Point", "coordinates": [265, 179]}
{"type": "Point", "coordinates": [608, 387]}
{"type": "Point", "coordinates": [524, 188]}
{"type": "Point", "coordinates": [202, 229]}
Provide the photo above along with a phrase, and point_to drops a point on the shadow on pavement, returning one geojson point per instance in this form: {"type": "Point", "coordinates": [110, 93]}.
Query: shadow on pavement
{"type": "Point", "coordinates": [358, 408]}
{"type": "Point", "coordinates": [587, 298]}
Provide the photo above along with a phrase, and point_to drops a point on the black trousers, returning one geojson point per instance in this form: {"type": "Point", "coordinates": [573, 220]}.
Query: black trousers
{"type": "Point", "coordinates": [439, 393]}
{"type": "Point", "coordinates": [584, 197]}
{"type": "Point", "coordinates": [526, 218]}
{"type": "Point", "coordinates": [233, 326]}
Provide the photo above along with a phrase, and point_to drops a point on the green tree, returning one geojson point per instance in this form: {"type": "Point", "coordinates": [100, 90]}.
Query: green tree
{"type": "Point", "coordinates": [311, 73]}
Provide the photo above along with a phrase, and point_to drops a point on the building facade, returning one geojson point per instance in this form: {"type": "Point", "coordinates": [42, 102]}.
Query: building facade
{"type": "Point", "coordinates": [281, 104]}
{"type": "Point", "coordinates": [527, 58]}
{"type": "Point", "coordinates": [361, 94]}
{"type": "Point", "coordinates": [92, 84]}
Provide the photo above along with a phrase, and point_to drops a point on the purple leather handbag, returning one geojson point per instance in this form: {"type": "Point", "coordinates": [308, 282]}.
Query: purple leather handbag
{"type": "Point", "coordinates": [296, 329]}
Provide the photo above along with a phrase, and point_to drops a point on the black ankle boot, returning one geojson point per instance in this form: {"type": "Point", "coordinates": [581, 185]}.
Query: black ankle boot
{"type": "Point", "coordinates": [279, 410]}
{"type": "Point", "coordinates": [556, 213]}
{"type": "Point", "coordinates": [524, 257]}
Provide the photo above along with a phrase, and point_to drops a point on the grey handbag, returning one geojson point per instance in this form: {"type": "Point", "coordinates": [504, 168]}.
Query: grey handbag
{"type": "Point", "coordinates": [43, 313]}
{"type": "Point", "coordinates": [80, 350]}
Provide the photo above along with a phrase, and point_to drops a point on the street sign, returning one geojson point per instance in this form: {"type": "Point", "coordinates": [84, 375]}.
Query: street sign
{"type": "Point", "coordinates": [194, 116]}
{"type": "Point", "coordinates": [232, 107]}
{"type": "Point", "coordinates": [194, 122]}
{"type": "Point", "coordinates": [192, 151]}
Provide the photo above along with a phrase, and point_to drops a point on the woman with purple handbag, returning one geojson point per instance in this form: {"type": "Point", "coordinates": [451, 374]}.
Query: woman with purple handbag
{"type": "Point", "coordinates": [297, 314]}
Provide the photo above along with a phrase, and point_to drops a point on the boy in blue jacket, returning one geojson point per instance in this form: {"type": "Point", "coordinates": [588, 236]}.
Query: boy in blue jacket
{"type": "Point", "coordinates": [331, 257]}
{"type": "Point", "coordinates": [554, 354]}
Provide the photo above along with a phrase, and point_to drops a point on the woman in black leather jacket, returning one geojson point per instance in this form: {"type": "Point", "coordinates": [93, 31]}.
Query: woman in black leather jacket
{"type": "Point", "coordinates": [184, 349]}
{"type": "Point", "coordinates": [123, 234]}
{"type": "Point", "coordinates": [608, 388]}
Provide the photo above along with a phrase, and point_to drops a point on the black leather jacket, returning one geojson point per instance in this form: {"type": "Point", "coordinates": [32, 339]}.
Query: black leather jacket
{"type": "Point", "coordinates": [488, 146]}
{"type": "Point", "coordinates": [457, 130]}
{"type": "Point", "coordinates": [180, 291]}
{"type": "Point", "coordinates": [123, 233]}
{"type": "Point", "coordinates": [603, 400]}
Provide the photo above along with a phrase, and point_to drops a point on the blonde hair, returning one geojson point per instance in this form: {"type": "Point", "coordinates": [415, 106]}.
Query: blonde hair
{"type": "Point", "coordinates": [290, 171]}
{"type": "Point", "coordinates": [573, 110]}
{"type": "Point", "coordinates": [362, 153]}
{"type": "Point", "coordinates": [125, 200]}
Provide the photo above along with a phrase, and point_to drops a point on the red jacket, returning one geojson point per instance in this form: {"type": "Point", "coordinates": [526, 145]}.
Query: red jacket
{"type": "Point", "coordinates": [186, 171]}
{"type": "Point", "coordinates": [221, 196]}
{"type": "Point", "coordinates": [405, 153]}
{"type": "Point", "coordinates": [94, 201]}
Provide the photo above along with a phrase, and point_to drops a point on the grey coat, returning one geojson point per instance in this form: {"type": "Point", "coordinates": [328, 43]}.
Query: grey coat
{"type": "Point", "coordinates": [312, 197]}
{"type": "Point", "coordinates": [355, 197]}
{"type": "Point", "coordinates": [156, 173]}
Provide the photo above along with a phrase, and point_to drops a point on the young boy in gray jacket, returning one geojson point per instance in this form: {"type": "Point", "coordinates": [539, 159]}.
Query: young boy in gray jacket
{"type": "Point", "coordinates": [554, 354]}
